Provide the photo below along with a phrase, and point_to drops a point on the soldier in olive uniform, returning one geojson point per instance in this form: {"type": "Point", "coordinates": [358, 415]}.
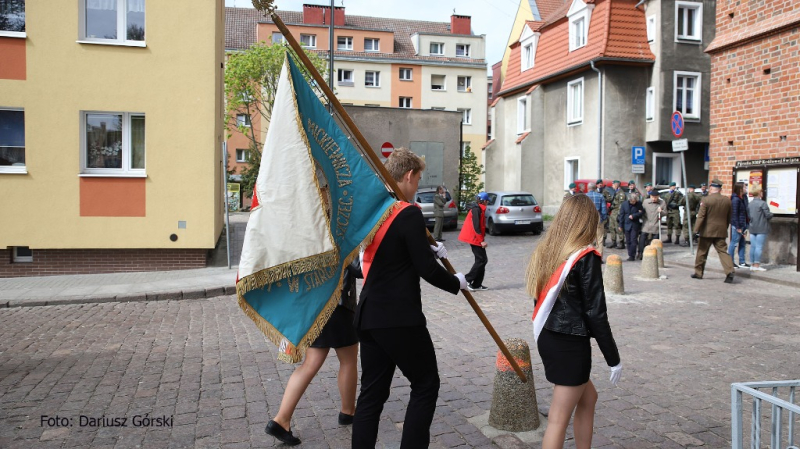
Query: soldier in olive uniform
{"type": "Point", "coordinates": [607, 196]}
{"type": "Point", "coordinates": [572, 190]}
{"type": "Point", "coordinates": [693, 199]}
{"type": "Point", "coordinates": [618, 197]}
{"type": "Point", "coordinates": [648, 186]}
{"type": "Point", "coordinates": [674, 200]}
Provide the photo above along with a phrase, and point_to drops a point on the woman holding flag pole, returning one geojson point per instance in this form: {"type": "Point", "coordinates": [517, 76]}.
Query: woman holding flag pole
{"type": "Point", "coordinates": [565, 277]}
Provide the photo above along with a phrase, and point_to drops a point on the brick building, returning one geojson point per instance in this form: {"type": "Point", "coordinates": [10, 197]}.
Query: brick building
{"type": "Point", "coordinates": [755, 110]}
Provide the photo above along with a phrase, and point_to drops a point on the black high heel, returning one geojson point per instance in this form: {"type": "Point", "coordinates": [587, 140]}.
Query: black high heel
{"type": "Point", "coordinates": [283, 435]}
{"type": "Point", "coordinates": [345, 419]}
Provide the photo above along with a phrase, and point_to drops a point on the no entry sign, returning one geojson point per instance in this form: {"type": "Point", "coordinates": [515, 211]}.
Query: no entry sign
{"type": "Point", "coordinates": [386, 149]}
{"type": "Point", "coordinates": [676, 124]}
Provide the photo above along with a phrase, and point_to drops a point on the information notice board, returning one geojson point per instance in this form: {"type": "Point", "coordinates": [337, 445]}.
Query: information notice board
{"type": "Point", "coordinates": [782, 190]}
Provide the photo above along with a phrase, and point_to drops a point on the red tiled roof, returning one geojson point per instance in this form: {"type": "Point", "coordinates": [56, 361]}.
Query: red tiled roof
{"type": "Point", "coordinates": [617, 31]}
{"type": "Point", "coordinates": [745, 34]}
{"type": "Point", "coordinates": [243, 23]}
{"type": "Point", "coordinates": [522, 137]}
{"type": "Point", "coordinates": [548, 7]}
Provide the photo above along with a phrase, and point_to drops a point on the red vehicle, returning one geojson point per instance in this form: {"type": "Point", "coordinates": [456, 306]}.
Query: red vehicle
{"type": "Point", "coordinates": [580, 184]}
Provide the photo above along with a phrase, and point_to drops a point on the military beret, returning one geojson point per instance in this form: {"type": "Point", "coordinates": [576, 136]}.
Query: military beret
{"type": "Point", "coordinates": [616, 181]}
{"type": "Point", "coordinates": [572, 185]}
{"type": "Point", "coordinates": [716, 183]}
{"type": "Point", "coordinates": [599, 181]}
{"type": "Point", "coordinates": [672, 184]}
{"type": "Point", "coordinates": [631, 182]}
{"type": "Point", "coordinates": [648, 184]}
{"type": "Point", "coordinates": [691, 186]}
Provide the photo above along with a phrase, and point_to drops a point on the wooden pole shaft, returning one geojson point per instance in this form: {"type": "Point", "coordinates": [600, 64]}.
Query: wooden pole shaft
{"type": "Point", "coordinates": [386, 177]}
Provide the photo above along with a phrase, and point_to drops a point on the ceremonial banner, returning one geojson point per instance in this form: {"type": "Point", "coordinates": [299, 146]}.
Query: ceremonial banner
{"type": "Point", "coordinates": [294, 254]}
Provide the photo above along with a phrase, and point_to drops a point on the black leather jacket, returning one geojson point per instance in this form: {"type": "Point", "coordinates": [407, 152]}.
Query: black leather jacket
{"type": "Point", "coordinates": [580, 308]}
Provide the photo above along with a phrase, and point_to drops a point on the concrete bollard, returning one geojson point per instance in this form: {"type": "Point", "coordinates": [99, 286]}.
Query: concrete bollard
{"type": "Point", "coordinates": [514, 402]}
{"type": "Point", "coordinates": [650, 263]}
{"type": "Point", "coordinates": [612, 276]}
{"type": "Point", "coordinates": [659, 246]}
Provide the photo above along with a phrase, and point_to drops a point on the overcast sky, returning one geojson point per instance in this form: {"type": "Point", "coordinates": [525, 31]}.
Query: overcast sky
{"type": "Point", "coordinates": [490, 17]}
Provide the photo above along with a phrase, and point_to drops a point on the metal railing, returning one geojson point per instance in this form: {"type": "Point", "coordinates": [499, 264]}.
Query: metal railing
{"type": "Point", "coordinates": [778, 407]}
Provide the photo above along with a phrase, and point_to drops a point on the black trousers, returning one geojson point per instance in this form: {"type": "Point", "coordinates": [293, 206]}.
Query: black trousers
{"type": "Point", "coordinates": [632, 241]}
{"type": "Point", "coordinates": [411, 350]}
{"type": "Point", "coordinates": [478, 270]}
{"type": "Point", "coordinates": [644, 239]}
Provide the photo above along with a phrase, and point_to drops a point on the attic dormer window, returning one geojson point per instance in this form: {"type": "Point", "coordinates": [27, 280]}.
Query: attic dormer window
{"type": "Point", "coordinates": [528, 42]}
{"type": "Point", "coordinates": [579, 15]}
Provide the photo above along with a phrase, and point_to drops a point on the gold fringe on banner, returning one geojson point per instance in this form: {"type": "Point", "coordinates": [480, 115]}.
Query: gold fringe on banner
{"type": "Point", "coordinates": [270, 275]}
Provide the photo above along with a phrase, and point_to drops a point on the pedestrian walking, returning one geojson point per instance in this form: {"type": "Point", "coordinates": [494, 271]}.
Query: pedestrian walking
{"type": "Point", "coordinates": [340, 335]}
{"type": "Point", "coordinates": [739, 219]}
{"type": "Point", "coordinates": [630, 222]}
{"type": "Point", "coordinates": [691, 204]}
{"type": "Point", "coordinates": [565, 279]}
{"type": "Point", "coordinates": [599, 204]}
{"type": "Point", "coordinates": [674, 199]}
{"type": "Point", "coordinates": [439, 201]}
{"type": "Point", "coordinates": [474, 232]}
{"type": "Point", "coordinates": [712, 227]}
{"type": "Point", "coordinates": [619, 197]}
{"type": "Point", "coordinates": [389, 320]}
{"type": "Point", "coordinates": [654, 208]}
{"type": "Point", "coordinates": [760, 217]}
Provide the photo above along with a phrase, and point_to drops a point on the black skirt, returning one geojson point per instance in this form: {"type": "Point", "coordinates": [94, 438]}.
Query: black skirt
{"type": "Point", "coordinates": [339, 331]}
{"type": "Point", "coordinates": [567, 358]}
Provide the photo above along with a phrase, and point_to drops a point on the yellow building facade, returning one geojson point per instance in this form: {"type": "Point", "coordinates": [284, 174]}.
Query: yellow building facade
{"type": "Point", "coordinates": [120, 166]}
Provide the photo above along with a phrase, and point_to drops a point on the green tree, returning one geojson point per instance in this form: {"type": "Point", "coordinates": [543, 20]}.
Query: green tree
{"type": "Point", "coordinates": [251, 81]}
{"type": "Point", "coordinates": [471, 172]}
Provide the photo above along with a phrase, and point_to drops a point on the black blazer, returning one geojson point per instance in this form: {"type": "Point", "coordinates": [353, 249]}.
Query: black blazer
{"type": "Point", "coordinates": [391, 294]}
{"type": "Point", "coordinates": [637, 210]}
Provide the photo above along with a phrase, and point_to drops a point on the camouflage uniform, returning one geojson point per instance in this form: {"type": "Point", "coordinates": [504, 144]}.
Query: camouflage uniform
{"type": "Point", "coordinates": [619, 196]}
{"type": "Point", "coordinates": [694, 204]}
{"type": "Point", "coordinates": [608, 195]}
{"type": "Point", "coordinates": [674, 201]}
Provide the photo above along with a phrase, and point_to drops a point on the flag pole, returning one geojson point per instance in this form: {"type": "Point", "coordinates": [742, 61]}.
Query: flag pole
{"type": "Point", "coordinates": [266, 6]}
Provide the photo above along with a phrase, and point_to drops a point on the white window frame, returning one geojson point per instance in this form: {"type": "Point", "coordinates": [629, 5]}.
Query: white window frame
{"type": "Point", "coordinates": [126, 170]}
{"type": "Point", "coordinates": [277, 37]}
{"type": "Point", "coordinates": [650, 104]}
{"type": "Point", "coordinates": [18, 34]}
{"type": "Point", "coordinates": [522, 115]}
{"type": "Point", "coordinates": [16, 258]}
{"type": "Point", "coordinates": [651, 28]}
{"type": "Point", "coordinates": [695, 35]}
{"type": "Point", "coordinates": [408, 103]}
{"type": "Point", "coordinates": [244, 155]}
{"type": "Point", "coordinates": [19, 169]}
{"type": "Point", "coordinates": [344, 80]}
{"type": "Point", "coordinates": [697, 100]}
{"type": "Point", "coordinates": [243, 120]}
{"type": "Point", "coordinates": [347, 45]}
{"type": "Point", "coordinates": [311, 38]}
{"type": "Point", "coordinates": [121, 27]}
{"type": "Point", "coordinates": [376, 78]}
{"type": "Point", "coordinates": [466, 115]}
{"type": "Point", "coordinates": [406, 70]}
{"type": "Point", "coordinates": [577, 33]}
{"type": "Point", "coordinates": [571, 101]}
{"type": "Point", "coordinates": [579, 13]}
{"type": "Point", "coordinates": [492, 122]}
{"type": "Point", "coordinates": [675, 170]}
{"type": "Point", "coordinates": [376, 47]}
{"type": "Point", "coordinates": [443, 84]}
{"type": "Point", "coordinates": [465, 51]}
{"type": "Point", "coordinates": [570, 177]}
{"type": "Point", "coordinates": [467, 85]}
{"type": "Point", "coordinates": [441, 48]}
{"type": "Point", "coordinates": [527, 56]}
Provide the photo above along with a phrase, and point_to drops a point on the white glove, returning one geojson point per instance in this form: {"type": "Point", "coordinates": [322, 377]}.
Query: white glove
{"type": "Point", "coordinates": [439, 250]}
{"type": "Point", "coordinates": [616, 373]}
{"type": "Point", "coordinates": [462, 281]}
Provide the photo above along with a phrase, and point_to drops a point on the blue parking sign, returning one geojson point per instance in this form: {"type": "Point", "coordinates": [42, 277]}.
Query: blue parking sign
{"type": "Point", "coordinates": [637, 155]}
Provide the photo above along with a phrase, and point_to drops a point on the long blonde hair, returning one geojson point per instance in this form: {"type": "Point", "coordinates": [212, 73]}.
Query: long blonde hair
{"type": "Point", "coordinates": [573, 227]}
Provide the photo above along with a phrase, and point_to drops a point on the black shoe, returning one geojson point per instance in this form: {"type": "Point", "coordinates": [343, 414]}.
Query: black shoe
{"type": "Point", "coordinates": [668, 240]}
{"type": "Point", "coordinates": [684, 244]}
{"type": "Point", "coordinates": [620, 246]}
{"type": "Point", "coordinates": [694, 276]}
{"type": "Point", "coordinates": [638, 257]}
{"type": "Point", "coordinates": [631, 259]}
{"type": "Point", "coordinates": [744, 265]}
{"type": "Point", "coordinates": [345, 419]}
{"type": "Point", "coordinates": [281, 434]}
{"type": "Point", "coordinates": [729, 278]}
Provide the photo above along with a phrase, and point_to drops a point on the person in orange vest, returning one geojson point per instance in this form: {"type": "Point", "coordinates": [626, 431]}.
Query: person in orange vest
{"type": "Point", "coordinates": [473, 232]}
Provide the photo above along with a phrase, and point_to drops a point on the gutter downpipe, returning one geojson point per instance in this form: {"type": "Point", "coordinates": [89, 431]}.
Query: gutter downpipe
{"type": "Point", "coordinates": [330, 49]}
{"type": "Point", "coordinates": [599, 120]}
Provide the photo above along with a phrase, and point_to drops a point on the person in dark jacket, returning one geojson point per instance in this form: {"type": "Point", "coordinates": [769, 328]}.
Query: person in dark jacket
{"type": "Point", "coordinates": [738, 224]}
{"type": "Point", "coordinates": [568, 315]}
{"type": "Point", "coordinates": [629, 222]}
{"type": "Point", "coordinates": [474, 232]}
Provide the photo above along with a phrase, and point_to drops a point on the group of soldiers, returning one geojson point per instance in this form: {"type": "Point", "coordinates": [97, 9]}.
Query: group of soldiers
{"type": "Point", "coordinates": [615, 195]}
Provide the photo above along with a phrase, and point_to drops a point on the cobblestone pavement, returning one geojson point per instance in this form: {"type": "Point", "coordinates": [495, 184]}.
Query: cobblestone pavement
{"type": "Point", "coordinates": [203, 364]}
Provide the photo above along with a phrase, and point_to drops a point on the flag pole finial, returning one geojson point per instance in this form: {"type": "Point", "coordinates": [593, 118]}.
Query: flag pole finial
{"type": "Point", "coordinates": [265, 6]}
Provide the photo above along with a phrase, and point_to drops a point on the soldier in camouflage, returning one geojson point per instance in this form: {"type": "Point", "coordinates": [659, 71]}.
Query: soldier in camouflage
{"type": "Point", "coordinates": [607, 196]}
{"type": "Point", "coordinates": [618, 197]}
{"type": "Point", "coordinates": [674, 201]}
{"type": "Point", "coordinates": [693, 199]}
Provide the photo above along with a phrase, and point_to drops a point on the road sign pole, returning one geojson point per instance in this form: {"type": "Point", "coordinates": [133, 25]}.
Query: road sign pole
{"type": "Point", "coordinates": [686, 212]}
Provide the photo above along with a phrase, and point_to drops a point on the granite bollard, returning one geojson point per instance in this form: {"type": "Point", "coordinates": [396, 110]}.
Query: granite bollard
{"type": "Point", "coordinates": [612, 275]}
{"type": "Point", "coordinates": [650, 263]}
{"type": "Point", "coordinates": [659, 246]}
{"type": "Point", "coordinates": [514, 402]}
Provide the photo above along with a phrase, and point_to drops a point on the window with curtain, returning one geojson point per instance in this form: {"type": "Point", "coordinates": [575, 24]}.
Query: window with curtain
{"type": "Point", "coordinates": [114, 143]}
{"type": "Point", "coordinates": [12, 16]}
{"type": "Point", "coordinates": [12, 140]}
{"type": "Point", "coordinates": [104, 23]}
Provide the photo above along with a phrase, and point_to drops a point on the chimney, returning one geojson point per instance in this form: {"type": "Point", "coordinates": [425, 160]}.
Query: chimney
{"type": "Point", "coordinates": [321, 15]}
{"type": "Point", "coordinates": [460, 24]}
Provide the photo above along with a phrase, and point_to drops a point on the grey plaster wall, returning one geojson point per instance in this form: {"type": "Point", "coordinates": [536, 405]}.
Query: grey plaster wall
{"type": "Point", "coordinates": [403, 126]}
{"type": "Point", "coordinates": [532, 149]}
{"type": "Point", "coordinates": [623, 118]}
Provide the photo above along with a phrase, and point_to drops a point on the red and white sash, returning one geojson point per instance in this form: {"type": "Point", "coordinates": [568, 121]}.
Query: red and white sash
{"type": "Point", "coordinates": [548, 295]}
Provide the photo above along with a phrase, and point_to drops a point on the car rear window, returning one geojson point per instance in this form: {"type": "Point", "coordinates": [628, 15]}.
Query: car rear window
{"type": "Point", "coordinates": [518, 200]}
{"type": "Point", "coordinates": [427, 197]}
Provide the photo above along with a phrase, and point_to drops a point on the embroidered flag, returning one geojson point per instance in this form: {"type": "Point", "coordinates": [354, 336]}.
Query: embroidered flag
{"type": "Point", "coordinates": [548, 295]}
{"type": "Point", "coordinates": [294, 254]}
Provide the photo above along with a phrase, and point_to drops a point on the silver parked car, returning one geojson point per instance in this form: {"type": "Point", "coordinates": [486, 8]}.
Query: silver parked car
{"type": "Point", "coordinates": [424, 201]}
{"type": "Point", "coordinates": [513, 212]}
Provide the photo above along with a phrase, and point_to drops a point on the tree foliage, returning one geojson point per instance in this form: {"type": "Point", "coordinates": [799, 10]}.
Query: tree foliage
{"type": "Point", "coordinates": [471, 172]}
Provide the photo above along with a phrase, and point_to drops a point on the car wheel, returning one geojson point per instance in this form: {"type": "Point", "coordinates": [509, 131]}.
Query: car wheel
{"type": "Point", "coordinates": [492, 228]}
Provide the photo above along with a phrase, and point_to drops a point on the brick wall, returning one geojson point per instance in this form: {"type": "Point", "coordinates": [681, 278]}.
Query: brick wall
{"type": "Point", "coordinates": [734, 16]}
{"type": "Point", "coordinates": [49, 262]}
